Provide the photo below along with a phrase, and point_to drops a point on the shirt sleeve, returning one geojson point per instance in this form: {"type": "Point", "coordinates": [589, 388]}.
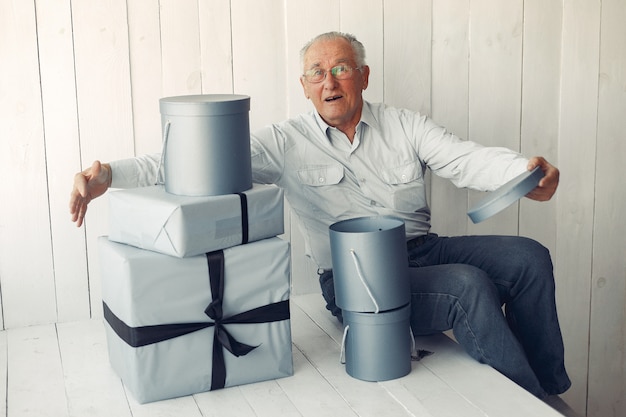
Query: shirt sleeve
{"type": "Point", "coordinates": [467, 164]}
{"type": "Point", "coordinates": [267, 150]}
{"type": "Point", "coordinates": [140, 171]}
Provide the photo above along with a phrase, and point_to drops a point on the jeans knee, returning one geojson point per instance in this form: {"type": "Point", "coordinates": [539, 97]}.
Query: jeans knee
{"type": "Point", "coordinates": [530, 253]}
{"type": "Point", "coordinates": [527, 266]}
{"type": "Point", "coordinates": [472, 282]}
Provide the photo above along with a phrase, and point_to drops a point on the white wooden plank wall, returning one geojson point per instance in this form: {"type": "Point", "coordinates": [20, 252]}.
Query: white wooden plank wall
{"type": "Point", "coordinates": [80, 80]}
{"type": "Point", "coordinates": [607, 354]}
{"type": "Point", "coordinates": [450, 104]}
{"type": "Point", "coordinates": [540, 91]}
{"type": "Point", "coordinates": [577, 161]}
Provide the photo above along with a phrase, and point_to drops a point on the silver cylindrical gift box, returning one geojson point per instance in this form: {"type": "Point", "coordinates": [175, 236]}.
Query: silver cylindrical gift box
{"type": "Point", "coordinates": [370, 265]}
{"type": "Point", "coordinates": [378, 346]}
{"type": "Point", "coordinates": [206, 149]}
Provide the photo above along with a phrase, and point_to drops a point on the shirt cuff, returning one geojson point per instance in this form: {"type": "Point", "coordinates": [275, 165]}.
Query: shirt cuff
{"type": "Point", "coordinates": [135, 172]}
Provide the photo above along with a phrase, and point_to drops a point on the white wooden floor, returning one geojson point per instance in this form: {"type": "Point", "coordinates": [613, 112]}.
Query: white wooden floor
{"type": "Point", "coordinates": [62, 370]}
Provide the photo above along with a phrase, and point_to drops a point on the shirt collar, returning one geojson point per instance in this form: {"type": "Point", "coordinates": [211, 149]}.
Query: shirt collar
{"type": "Point", "coordinates": [367, 117]}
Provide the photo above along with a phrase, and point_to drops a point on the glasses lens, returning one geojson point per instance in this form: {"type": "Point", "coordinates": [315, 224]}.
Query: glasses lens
{"type": "Point", "coordinates": [341, 72]}
{"type": "Point", "coordinates": [315, 75]}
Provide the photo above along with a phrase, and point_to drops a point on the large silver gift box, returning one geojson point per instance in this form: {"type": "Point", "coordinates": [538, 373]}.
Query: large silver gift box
{"type": "Point", "coordinates": [170, 333]}
{"type": "Point", "coordinates": [151, 218]}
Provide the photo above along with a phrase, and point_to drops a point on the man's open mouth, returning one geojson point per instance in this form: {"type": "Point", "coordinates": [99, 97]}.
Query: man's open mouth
{"type": "Point", "coordinates": [333, 98]}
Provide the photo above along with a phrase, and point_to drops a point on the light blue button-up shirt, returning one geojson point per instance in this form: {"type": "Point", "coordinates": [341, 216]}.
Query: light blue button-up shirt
{"type": "Point", "coordinates": [327, 179]}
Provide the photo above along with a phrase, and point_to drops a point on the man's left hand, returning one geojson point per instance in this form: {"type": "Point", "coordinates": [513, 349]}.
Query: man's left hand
{"type": "Point", "coordinates": [548, 184]}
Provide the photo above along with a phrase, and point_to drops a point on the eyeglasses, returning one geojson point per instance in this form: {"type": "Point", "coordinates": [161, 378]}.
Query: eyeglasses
{"type": "Point", "coordinates": [339, 72]}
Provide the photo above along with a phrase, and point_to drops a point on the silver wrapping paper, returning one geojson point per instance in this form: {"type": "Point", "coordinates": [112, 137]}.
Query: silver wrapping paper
{"type": "Point", "coordinates": [144, 288]}
{"type": "Point", "coordinates": [151, 218]}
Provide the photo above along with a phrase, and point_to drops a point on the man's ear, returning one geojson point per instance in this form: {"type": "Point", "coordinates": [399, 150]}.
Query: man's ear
{"type": "Point", "coordinates": [366, 76]}
{"type": "Point", "coordinates": [306, 94]}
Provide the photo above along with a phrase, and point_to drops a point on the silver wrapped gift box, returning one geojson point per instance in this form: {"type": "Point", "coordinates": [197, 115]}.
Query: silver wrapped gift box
{"type": "Point", "coordinates": [151, 218]}
{"type": "Point", "coordinates": [179, 326]}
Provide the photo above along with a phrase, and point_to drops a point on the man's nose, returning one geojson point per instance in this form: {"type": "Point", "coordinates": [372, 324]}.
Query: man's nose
{"type": "Point", "coordinates": [329, 81]}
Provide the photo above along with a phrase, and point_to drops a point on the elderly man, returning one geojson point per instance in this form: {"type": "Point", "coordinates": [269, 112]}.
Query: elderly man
{"type": "Point", "coordinates": [350, 158]}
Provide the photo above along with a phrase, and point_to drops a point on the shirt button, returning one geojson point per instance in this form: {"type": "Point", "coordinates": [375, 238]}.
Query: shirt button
{"type": "Point", "coordinates": [321, 180]}
{"type": "Point", "coordinates": [403, 177]}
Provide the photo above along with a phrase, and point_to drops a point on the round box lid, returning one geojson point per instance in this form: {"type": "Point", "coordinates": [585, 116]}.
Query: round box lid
{"type": "Point", "coordinates": [204, 105]}
{"type": "Point", "coordinates": [509, 193]}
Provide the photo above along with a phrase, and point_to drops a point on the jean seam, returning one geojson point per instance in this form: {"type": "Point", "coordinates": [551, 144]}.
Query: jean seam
{"type": "Point", "coordinates": [458, 305]}
{"type": "Point", "coordinates": [469, 329]}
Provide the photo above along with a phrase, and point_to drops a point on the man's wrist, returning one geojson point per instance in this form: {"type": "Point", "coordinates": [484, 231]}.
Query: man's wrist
{"type": "Point", "coordinates": [110, 174]}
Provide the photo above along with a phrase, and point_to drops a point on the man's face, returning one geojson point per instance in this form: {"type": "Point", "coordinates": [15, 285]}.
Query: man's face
{"type": "Point", "coordinates": [339, 102]}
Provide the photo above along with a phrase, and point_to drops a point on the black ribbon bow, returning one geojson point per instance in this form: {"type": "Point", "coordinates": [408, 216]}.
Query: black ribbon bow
{"type": "Point", "coordinates": [147, 335]}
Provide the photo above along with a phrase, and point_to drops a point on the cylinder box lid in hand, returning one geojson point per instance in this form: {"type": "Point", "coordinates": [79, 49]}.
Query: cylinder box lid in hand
{"type": "Point", "coordinates": [206, 144]}
{"type": "Point", "coordinates": [503, 197]}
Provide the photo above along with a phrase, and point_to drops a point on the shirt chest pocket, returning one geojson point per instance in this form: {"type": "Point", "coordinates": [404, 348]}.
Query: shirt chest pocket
{"type": "Point", "coordinates": [321, 175]}
{"type": "Point", "coordinates": [406, 185]}
{"type": "Point", "coordinates": [325, 191]}
{"type": "Point", "coordinates": [402, 174]}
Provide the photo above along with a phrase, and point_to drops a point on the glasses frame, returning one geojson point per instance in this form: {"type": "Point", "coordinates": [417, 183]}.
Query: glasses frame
{"type": "Point", "coordinates": [326, 72]}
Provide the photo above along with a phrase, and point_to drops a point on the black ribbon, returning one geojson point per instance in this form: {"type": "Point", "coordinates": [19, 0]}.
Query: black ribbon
{"type": "Point", "coordinates": [243, 201]}
{"type": "Point", "coordinates": [147, 335]}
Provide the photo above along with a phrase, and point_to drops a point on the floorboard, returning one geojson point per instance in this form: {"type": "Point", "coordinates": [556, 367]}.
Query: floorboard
{"type": "Point", "coordinates": [91, 386]}
{"type": "Point", "coordinates": [62, 370]}
{"type": "Point", "coordinates": [35, 385]}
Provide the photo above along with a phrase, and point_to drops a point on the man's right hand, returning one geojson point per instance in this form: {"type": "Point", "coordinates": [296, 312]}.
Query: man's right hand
{"type": "Point", "coordinates": [88, 184]}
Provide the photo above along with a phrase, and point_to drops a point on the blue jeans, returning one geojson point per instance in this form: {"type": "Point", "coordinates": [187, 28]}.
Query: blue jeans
{"type": "Point", "coordinates": [461, 283]}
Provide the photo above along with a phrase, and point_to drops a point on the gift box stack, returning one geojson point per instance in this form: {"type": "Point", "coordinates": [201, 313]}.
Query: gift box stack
{"type": "Point", "coordinates": [195, 283]}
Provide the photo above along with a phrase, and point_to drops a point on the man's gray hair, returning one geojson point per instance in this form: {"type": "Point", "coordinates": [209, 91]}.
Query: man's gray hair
{"type": "Point", "coordinates": [357, 47]}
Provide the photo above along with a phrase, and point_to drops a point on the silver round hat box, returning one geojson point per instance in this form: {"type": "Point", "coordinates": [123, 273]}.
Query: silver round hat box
{"type": "Point", "coordinates": [378, 346]}
{"type": "Point", "coordinates": [206, 144]}
{"type": "Point", "coordinates": [370, 266]}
